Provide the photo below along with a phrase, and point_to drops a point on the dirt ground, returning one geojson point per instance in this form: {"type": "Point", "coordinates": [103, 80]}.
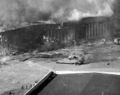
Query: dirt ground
{"type": "Point", "coordinates": [21, 72]}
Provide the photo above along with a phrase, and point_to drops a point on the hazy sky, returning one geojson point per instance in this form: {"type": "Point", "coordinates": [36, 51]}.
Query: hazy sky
{"type": "Point", "coordinates": [15, 12]}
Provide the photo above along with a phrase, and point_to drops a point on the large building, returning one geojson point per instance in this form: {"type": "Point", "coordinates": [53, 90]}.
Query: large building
{"type": "Point", "coordinates": [38, 35]}
{"type": "Point", "coordinates": [95, 28]}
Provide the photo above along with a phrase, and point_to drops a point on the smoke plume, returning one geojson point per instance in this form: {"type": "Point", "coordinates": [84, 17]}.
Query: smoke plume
{"type": "Point", "coordinates": [15, 13]}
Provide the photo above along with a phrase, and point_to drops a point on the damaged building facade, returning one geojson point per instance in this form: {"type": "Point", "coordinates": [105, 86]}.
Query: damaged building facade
{"type": "Point", "coordinates": [53, 36]}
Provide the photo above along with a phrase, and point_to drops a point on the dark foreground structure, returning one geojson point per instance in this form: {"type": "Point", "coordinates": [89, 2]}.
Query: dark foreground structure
{"type": "Point", "coordinates": [78, 84]}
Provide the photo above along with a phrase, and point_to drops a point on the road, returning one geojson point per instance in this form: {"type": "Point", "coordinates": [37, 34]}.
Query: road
{"type": "Point", "coordinates": [21, 72]}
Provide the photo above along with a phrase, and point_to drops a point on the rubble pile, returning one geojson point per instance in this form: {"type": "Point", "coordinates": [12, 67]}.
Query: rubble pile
{"type": "Point", "coordinates": [77, 57]}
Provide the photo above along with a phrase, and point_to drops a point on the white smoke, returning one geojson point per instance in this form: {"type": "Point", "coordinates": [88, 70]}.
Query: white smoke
{"type": "Point", "coordinates": [101, 9]}
{"type": "Point", "coordinates": [18, 12]}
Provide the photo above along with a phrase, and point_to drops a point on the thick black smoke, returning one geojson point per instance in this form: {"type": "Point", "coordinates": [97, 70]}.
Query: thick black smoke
{"type": "Point", "coordinates": [14, 13]}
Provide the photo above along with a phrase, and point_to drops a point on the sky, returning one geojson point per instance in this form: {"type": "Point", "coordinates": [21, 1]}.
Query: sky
{"type": "Point", "coordinates": [18, 12]}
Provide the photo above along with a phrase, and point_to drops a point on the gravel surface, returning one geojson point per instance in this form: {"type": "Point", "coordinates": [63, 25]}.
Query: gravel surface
{"type": "Point", "coordinates": [22, 71]}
